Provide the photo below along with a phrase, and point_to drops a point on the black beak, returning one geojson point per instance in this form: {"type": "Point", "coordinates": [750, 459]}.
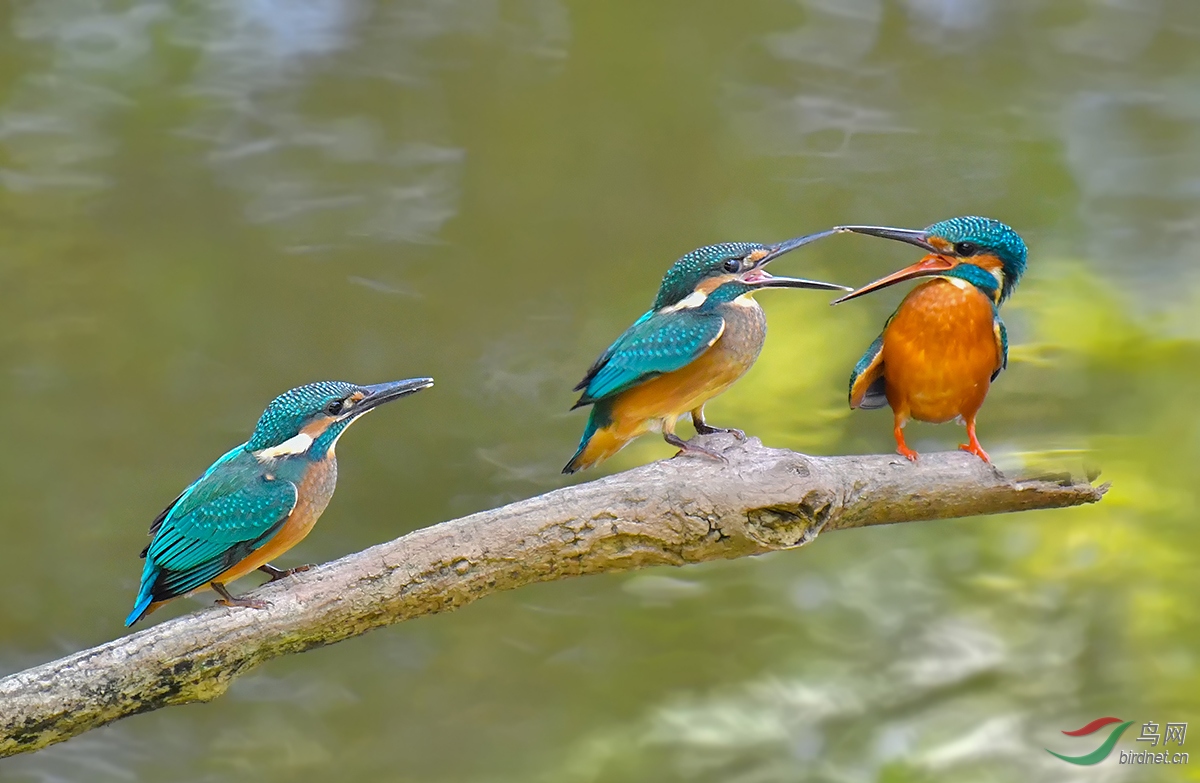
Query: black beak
{"type": "Point", "coordinates": [761, 279]}
{"type": "Point", "coordinates": [758, 276]}
{"type": "Point", "coordinates": [789, 245]}
{"type": "Point", "coordinates": [933, 263]}
{"type": "Point", "coordinates": [908, 235]}
{"type": "Point", "coordinates": [380, 393]}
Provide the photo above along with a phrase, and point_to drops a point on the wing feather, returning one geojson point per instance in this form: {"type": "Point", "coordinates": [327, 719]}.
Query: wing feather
{"type": "Point", "coordinates": [1001, 343]}
{"type": "Point", "coordinates": [229, 512]}
{"type": "Point", "coordinates": [868, 388]}
{"type": "Point", "coordinates": [657, 343]}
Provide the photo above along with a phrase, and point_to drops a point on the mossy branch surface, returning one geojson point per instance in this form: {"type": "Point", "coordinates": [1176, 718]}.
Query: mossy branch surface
{"type": "Point", "coordinates": [675, 512]}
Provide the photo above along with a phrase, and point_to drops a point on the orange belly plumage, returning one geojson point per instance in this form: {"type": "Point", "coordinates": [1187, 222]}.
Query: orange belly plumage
{"type": "Point", "coordinates": [939, 353]}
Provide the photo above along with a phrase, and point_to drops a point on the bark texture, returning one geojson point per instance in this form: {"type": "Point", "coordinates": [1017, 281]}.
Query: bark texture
{"type": "Point", "coordinates": [686, 510]}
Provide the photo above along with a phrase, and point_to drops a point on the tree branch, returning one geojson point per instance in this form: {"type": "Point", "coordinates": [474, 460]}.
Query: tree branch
{"type": "Point", "coordinates": [686, 510]}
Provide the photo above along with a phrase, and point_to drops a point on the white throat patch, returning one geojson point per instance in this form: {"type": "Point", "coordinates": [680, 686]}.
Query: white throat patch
{"type": "Point", "coordinates": [297, 444]}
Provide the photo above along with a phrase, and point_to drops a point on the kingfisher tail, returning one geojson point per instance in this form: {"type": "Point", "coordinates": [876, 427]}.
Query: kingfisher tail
{"type": "Point", "coordinates": [599, 442]}
{"type": "Point", "coordinates": [145, 595]}
{"type": "Point", "coordinates": [139, 609]}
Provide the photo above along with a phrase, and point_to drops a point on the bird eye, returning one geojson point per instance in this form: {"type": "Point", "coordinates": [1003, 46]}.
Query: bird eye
{"type": "Point", "coordinates": [334, 407]}
{"type": "Point", "coordinates": [733, 264]}
{"type": "Point", "coordinates": [965, 248]}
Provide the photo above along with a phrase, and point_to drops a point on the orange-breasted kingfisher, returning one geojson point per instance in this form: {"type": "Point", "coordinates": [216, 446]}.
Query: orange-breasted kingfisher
{"type": "Point", "coordinates": [945, 344]}
{"type": "Point", "coordinates": [703, 333]}
{"type": "Point", "coordinates": [260, 499]}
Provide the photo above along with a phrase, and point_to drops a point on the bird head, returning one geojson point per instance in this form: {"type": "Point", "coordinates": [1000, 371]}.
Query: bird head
{"type": "Point", "coordinates": [309, 419]}
{"type": "Point", "coordinates": [692, 278]}
{"type": "Point", "coordinates": [982, 251]}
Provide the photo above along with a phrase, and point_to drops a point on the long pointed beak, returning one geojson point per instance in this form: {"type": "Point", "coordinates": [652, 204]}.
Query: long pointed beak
{"type": "Point", "coordinates": [760, 279]}
{"type": "Point", "coordinates": [758, 276]}
{"type": "Point", "coordinates": [932, 264]}
{"type": "Point", "coordinates": [380, 393]}
{"type": "Point", "coordinates": [908, 235]}
{"type": "Point", "coordinates": [789, 245]}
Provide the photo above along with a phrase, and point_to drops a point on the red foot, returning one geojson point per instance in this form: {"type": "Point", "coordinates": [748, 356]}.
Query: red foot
{"type": "Point", "coordinates": [976, 449]}
{"type": "Point", "coordinates": [901, 447]}
{"type": "Point", "coordinates": [972, 444]}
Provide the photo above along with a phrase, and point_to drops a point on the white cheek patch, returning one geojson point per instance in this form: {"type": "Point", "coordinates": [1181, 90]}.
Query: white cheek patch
{"type": "Point", "coordinates": [694, 299]}
{"type": "Point", "coordinates": [297, 444]}
{"type": "Point", "coordinates": [960, 283]}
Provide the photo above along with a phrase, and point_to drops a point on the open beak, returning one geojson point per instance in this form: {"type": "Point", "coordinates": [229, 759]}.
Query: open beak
{"type": "Point", "coordinates": [908, 235]}
{"type": "Point", "coordinates": [380, 393]}
{"type": "Point", "coordinates": [932, 264]}
{"type": "Point", "coordinates": [757, 276]}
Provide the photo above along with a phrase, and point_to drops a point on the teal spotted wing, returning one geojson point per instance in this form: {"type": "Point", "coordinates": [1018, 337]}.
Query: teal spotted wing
{"type": "Point", "coordinates": [230, 511]}
{"type": "Point", "coordinates": [657, 343]}
{"type": "Point", "coordinates": [868, 389]}
{"type": "Point", "coordinates": [1001, 343]}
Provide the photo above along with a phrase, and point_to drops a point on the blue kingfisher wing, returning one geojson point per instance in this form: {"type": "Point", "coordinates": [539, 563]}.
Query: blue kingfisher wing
{"type": "Point", "coordinates": [230, 511]}
{"type": "Point", "coordinates": [868, 388]}
{"type": "Point", "coordinates": [1001, 343]}
{"type": "Point", "coordinates": [657, 343]}
{"type": "Point", "coordinates": [608, 352]}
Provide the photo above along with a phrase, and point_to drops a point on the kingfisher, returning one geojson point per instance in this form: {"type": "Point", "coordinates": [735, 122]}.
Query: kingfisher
{"type": "Point", "coordinates": [260, 499]}
{"type": "Point", "coordinates": [703, 332]}
{"type": "Point", "coordinates": [945, 344]}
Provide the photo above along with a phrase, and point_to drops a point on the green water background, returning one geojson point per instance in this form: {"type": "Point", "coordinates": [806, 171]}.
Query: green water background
{"type": "Point", "coordinates": [205, 203]}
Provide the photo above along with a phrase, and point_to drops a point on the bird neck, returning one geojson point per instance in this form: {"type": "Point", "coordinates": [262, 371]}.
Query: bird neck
{"type": "Point", "coordinates": [325, 443]}
{"type": "Point", "coordinates": [988, 283]}
{"type": "Point", "coordinates": [734, 292]}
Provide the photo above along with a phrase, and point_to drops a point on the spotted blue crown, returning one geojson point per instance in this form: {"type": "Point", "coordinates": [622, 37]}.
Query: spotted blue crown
{"type": "Point", "coordinates": [686, 273]}
{"type": "Point", "coordinates": [992, 237]}
{"type": "Point", "coordinates": [290, 411]}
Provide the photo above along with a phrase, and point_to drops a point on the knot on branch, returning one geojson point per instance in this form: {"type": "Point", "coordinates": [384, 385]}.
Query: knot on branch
{"type": "Point", "coordinates": [783, 526]}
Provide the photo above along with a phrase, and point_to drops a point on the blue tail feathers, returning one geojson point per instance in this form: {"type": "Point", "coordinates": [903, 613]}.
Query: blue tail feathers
{"type": "Point", "coordinates": [588, 432]}
{"type": "Point", "coordinates": [145, 595]}
{"type": "Point", "coordinates": [139, 609]}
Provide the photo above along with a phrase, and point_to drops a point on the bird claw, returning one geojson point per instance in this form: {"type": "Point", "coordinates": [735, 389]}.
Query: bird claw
{"type": "Point", "coordinates": [704, 429]}
{"type": "Point", "coordinates": [689, 448]}
{"type": "Point", "coordinates": [977, 450]}
{"type": "Point", "coordinates": [907, 453]}
{"type": "Point", "coordinates": [276, 574]}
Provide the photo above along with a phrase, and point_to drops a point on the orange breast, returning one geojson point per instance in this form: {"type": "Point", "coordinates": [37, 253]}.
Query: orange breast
{"type": "Point", "coordinates": [314, 493]}
{"type": "Point", "coordinates": [939, 352]}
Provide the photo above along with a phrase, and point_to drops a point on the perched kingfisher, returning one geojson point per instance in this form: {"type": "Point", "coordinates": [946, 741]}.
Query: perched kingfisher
{"type": "Point", "coordinates": [945, 344]}
{"type": "Point", "coordinates": [260, 499]}
{"type": "Point", "coordinates": [703, 333]}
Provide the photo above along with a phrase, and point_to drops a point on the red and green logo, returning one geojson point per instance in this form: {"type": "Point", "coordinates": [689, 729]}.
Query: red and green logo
{"type": "Point", "coordinates": [1100, 753]}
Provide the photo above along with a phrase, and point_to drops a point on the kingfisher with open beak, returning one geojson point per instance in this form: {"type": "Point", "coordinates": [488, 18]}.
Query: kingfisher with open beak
{"type": "Point", "coordinates": [945, 344]}
{"type": "Point", "coordinates": [260, 499]}
{"type": "Point", "coordinates": [703, 333]}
